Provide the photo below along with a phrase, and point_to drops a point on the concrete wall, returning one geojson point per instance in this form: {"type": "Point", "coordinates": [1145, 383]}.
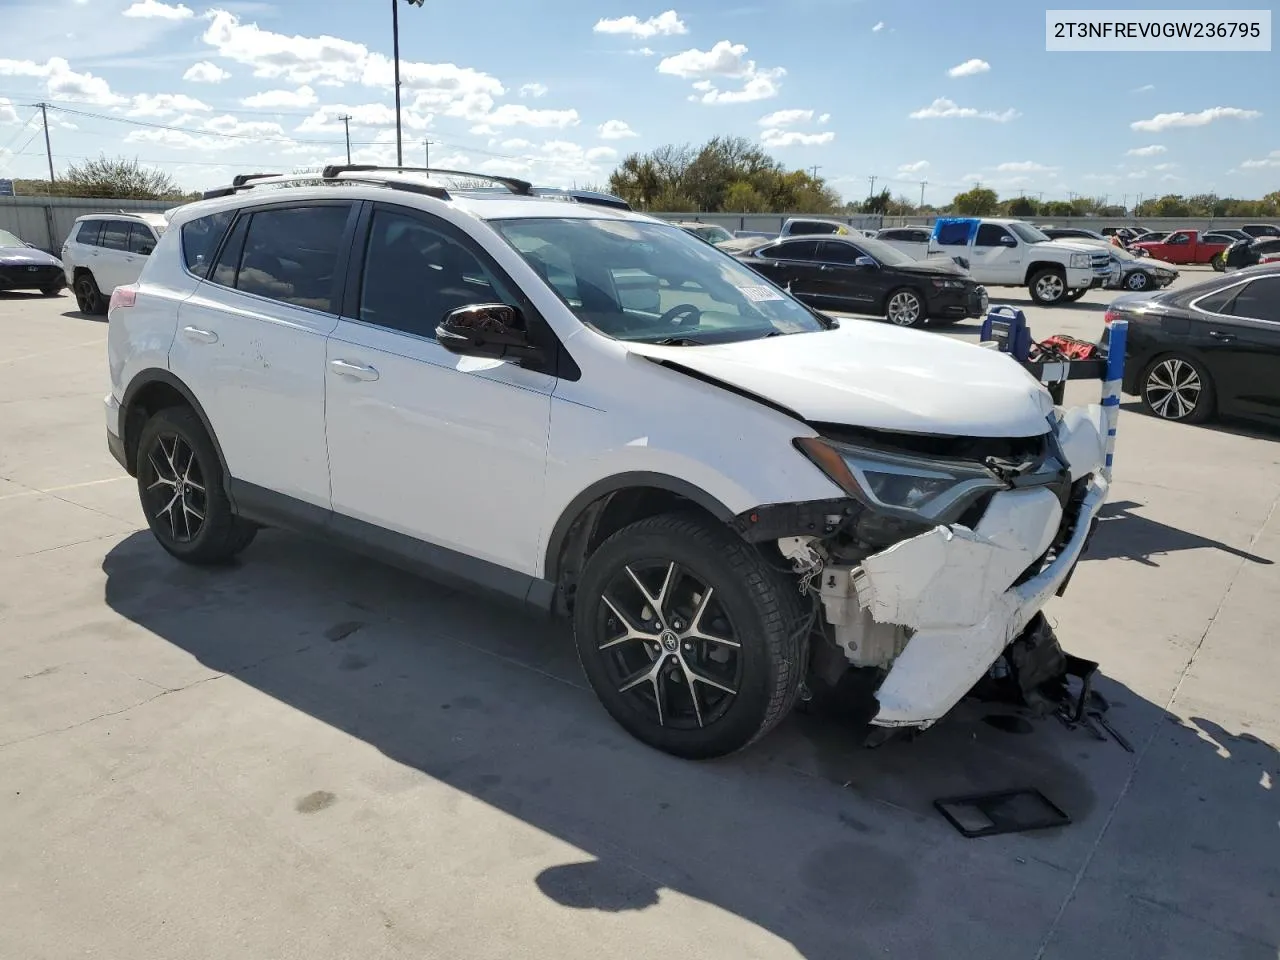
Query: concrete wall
{"type": "Point", "coordinates": [46, 221]}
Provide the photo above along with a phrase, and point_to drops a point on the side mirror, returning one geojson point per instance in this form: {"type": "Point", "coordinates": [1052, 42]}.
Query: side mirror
{"type": "Point", "coordinates": [865, 262]}
{"type": "Point", "coordinates": [1007, 240]}
{"type": "Point", "coordinates": [492, 330]}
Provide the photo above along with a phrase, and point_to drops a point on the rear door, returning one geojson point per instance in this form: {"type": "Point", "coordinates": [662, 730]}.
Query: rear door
{"type": "Point", "coordinates": [113, 262]}
{"type": "Point", "coordinates": [251, 343]}
{"type": "Point", "coordinates": [792, 264]}
{"type": "Point", "coordinates": [1242, 342]}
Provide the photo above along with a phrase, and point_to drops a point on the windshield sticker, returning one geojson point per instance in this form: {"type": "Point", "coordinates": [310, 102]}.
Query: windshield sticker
{"type": "Point", "coordinates": [760, 294]}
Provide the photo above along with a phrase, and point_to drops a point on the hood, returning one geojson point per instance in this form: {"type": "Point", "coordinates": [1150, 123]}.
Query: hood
{"type": "Point", "coordinates": [868, 374]}
{"type": "Point", "coordinates": [1150, 263]}
{"type": "Point", "coordinates": [1071, 246]}
{"type": "Point", "coordinates": [28, 256]}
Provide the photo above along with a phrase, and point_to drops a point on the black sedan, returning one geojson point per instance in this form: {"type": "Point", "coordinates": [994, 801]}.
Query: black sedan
{"type": "Point", "coordinates": [868, 276]}
{"type": "Point", "coordinates": [23, 267]}
{"type": "Point", "coordinates": [1248, 253]}
{"type": "Point", "coordinates": [1213, 348]}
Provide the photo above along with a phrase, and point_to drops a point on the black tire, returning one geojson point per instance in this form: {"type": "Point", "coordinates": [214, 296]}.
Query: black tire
{"type": "Point", "coordinates": [1182, 405]}
{"type": "Point", "coordinates": [1219, 262]}
{"type": "Point", "coordinates": [178, 465]}
{"type": "Point", "coordinates": [905, 307]}
{"type": "Point", "coordinates": [51, 291]}
{"type": "Point", "coordinates": [740, 692]}
{"type": "Point", "coordinates": [1138, 280]}
{"type": "Point", "coordinates": [88, 297]}
{"type": "Point", "coordinates": [1072, 296]}
{"type": "Point", "coordinates": [1048, 286]}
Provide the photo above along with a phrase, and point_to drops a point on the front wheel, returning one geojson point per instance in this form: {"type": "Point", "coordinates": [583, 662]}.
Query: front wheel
{"type": "Point", "coordinates": [689, 638]}
{"type": "Point", "coordinates": [1138, 280]}
{"type": "Point", "coordinates": [88, 297]}
{"type": "Point", "coordinates": [1219, 262]}
{"type": "Point", "coordinates": [1048, 287]}
{"type": "Point", "coordinates": [180, 484]}
{"type": "Point", "coordinates": [1071, 296]}
{"type": "Point", "coordinates": [905, 308]}
{"type": "Point", "coordinates": [1176, 387]}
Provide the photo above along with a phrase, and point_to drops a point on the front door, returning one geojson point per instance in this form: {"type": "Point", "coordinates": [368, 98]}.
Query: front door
{"type": "Point", "coordinates": [997, 256]}
{"type": "Point", "coordinates": [1242, 342]}
{"type": "Point", "coordinates": [792, 265]}
{"type": "Point", "coordinates": [845, 285]}
{"type": "Point", "coordinates": [423, 443]}
{"type": "Point", "coordinates": [251, 342]}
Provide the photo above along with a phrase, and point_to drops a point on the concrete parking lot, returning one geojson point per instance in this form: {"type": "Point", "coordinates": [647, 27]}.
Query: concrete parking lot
{"type": "Point", "coordinates": [313, 756]}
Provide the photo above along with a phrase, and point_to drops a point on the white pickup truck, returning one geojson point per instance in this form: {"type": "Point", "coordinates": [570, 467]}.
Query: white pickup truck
{"type": "Point", "coordinates": [1012, 253]}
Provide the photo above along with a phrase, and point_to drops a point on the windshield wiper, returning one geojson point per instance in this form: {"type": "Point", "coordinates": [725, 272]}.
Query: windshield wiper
{"type": "Point", "coordinates": [677, 342]}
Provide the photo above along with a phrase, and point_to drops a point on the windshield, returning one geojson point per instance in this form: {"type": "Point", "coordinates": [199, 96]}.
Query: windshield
{"type": "Point", "coordinates": [7, 239]}
{"type": "Point", "coordinates": [889, 256]}
{"type": "Point", "coordinates": [653, 282]}
{"type": "Point", "coordinates": [1027, 233]}
{"type": "Point", "coordinates": [713, 233]}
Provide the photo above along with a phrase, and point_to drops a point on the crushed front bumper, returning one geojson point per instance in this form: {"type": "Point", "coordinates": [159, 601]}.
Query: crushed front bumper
{"type": "Point", "coordinates": [963, 595]}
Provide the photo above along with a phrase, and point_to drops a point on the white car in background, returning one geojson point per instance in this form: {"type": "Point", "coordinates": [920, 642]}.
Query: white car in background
{"type": "Point", "coordinates": [108, 250]}
{"type": "Point", "coordinates": [913, 241]}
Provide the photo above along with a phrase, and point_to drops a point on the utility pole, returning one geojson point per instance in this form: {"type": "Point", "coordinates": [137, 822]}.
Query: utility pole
{"type": "Point", "coordinates": [873, 187]}
{"type": "Point", "coordinates": [395, 43]}
{"type": "Point", "coordinates": [426, 147]}
{"type": "Point", "coordinates": [815, 171]}
{"type": "Point", "coordinates": [346, 124]}
{"type": "Point", "coordinates": [48, 150]}
{"type": "Point", "coordinates": [922, 186]}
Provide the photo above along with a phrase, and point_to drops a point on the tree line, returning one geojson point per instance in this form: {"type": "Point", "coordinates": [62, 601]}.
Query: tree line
{"type": "Point", "coordinates": [106, 178]}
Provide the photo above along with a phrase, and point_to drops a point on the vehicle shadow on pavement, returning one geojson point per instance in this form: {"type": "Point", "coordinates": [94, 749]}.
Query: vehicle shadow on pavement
{"type": "Point", "coordinates": [1124, 534]}
{"type": "Point", "coordinates": [832, 847]}
{"type": "Point", "coordinates": [81, 315]}
{"type": "Point", "coordinates": [1230, 425]}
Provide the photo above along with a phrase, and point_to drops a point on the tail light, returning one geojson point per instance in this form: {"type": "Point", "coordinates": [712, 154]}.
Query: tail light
{"type": "Point", "coordinates": [1109, 316]}
{"type": "Point", "coordinates": [123, 297]}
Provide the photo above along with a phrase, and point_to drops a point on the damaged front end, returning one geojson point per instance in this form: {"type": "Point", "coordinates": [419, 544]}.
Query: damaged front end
{"type": "Point", "coordinates": [943, 554]}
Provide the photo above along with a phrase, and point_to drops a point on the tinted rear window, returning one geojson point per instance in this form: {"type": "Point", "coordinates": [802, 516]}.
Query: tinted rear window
{"type": "Point", "coordinates": [200, 239]}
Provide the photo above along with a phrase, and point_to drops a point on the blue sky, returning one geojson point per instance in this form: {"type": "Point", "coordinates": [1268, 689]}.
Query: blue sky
{"type": "Point", "coordinates": [905, 91]}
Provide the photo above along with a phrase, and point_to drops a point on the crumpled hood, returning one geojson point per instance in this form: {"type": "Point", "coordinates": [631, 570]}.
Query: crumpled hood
{"type": "Point", "coordinates": [869, 374]}
{"type": "Point", "coordinates": [24, 256]}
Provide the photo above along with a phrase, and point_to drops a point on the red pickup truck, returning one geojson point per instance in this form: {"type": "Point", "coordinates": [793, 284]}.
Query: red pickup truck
{"type": "Point", "coordinates": [1182, 246]}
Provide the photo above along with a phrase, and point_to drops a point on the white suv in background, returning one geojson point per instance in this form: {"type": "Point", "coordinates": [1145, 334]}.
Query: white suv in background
{"type": "Point", "coordinates": [108, 250]}
{"type": "Point", "coordinates": [736, 499]}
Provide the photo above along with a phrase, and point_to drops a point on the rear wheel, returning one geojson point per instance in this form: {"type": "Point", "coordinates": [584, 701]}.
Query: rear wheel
{"type": "Point", "coordinates": [1218, 261]}
{"type": "Point", "coordinates": [88, 297]}
{"type": "Point", "coordinates": [1176, 387]}
{"type": "Point", "coordinates": [1048, 286]}
{"type": "Point", "coordinates": [689, 638]}
{"type": "Point", "coordinates": [905, 308]}
{"type": "Point", "coordinates": [180, 484]}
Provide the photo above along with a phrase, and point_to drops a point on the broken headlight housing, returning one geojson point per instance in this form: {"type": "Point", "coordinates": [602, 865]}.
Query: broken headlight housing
{"type": "Point", "coordinates": [901, 485]}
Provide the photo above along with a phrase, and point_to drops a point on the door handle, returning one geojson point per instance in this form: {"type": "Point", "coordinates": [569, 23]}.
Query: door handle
{"type": "Point", "coordinates": [1222, 337]}
{"type": "Point", "coordinates": [353, 371]}
{"type": "Point", "coordinates": [201, 336]}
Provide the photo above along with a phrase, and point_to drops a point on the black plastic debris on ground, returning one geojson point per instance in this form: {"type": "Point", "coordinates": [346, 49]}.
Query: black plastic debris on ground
{"type": "Point", "coordinates": [1008, 811]}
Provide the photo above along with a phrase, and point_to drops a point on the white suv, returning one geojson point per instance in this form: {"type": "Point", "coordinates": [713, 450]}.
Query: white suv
{"type": "Point", "coordinates": [736, 499]}
{"type": "Point", "coordinates": [108, 250]}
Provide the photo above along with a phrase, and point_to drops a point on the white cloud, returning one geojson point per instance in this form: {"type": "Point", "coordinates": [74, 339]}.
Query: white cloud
{"type": "Point", "coordinates": [920, 166]}
{"type": "Point", "coordinates": [164, 105]}
{"type": "Point", "coordinates": [326, 119]}
{"type": "Point", "coordinates": [601, 153]}
{"type": "Point", "coordinates": [1270, 161]}
{"type": "Point", "coordinates": [792, 138]}
{"type": "Point", "coordinates": [180, 140]}
{"type": "Point", "coordinates": [555, 163]}
{"type": "Point", "coordinates": [1164, 166]}
{"type": "Point", "coordinates": [297, 58]}
{"type": "Point", "coordinates": [7, 113]}
{"type": "Point", "coordinates": [666, 24]}
{"type": "Point", "coordinates": [516, 144]}
{"type": "Point", "coordinates": [304, 96]}
{"type": "Point", "coordinates": [643, 52]}
{"type": "Point", "coordinates": [205, 72]}
{"type": "Point", "coordinates": [970, 68]}
{"type": "Point", "coordinates": [824, 118]}
{"type": "Point", "coordinates": [1024, 166]}
{"type": "Point", "coordinates": [942, 109]}
{"type": "Point", "coordinates": [785, 118]}
{"type": "Point", "coordinates": [518, 115]}
{"type": "Point", "coordinates": [616, 130]}
{"type": "Point", "coordinates": [878, 27]}
{"type": "Point", "coordinates": [232, 126]}
{"type": "Point", "coordinates": [1145, 88]}
{"type": "Point", "coordinates": [1166, 121]}
{"type": "Point", "coordinates": [483, 129]}
{"type": "Point", "coordinates": [152, 9]}
{"type": "Point", "coordinates": [724, 60]}
{"type": "Point", "coordinates": [62, 82]}
{"type": "Point", "coordinates": [533, 90]}
{"type": "Point", "coordinates": [1148, 151]}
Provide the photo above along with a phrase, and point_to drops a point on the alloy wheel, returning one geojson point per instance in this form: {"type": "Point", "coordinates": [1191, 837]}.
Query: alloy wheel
{"type": "Point", "coordinates": [667, 642]}
{"type": "Point", "coordinates": [1137, 280]}
{"type": "Point", "coordinates": [86, 298]}
{"type": "Point", "coordinates": [1050, 288]}
{"type": "Point", "coordinates": [1173, 389]}
{"type": "Point", "coordinates": [175, 496]}
{"type": "Point", "coordinates": [904, 309]}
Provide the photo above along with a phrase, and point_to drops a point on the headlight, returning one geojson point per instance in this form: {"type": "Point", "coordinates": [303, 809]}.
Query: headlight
{"type": "Point", "coordinates": [1081, 261]}
{"type": "Point", "coordinates": [898, 484]}
{"type": "Point", "coordinates": [948, 284]}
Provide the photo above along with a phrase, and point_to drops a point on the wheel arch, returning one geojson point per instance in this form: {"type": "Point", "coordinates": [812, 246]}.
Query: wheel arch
{"type": "Point", "coordinates": [1037, 265]}
{"type": "Point", "coordinates": [149, 392]}
{"type": "Point", "coordinates": [607, 506]}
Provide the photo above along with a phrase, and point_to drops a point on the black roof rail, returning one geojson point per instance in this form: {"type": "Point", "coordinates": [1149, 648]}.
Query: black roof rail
{"type": "Point", "coordinates": [240, 179]}
{"type": "Point", "coordinates": [521, 187]}
{"type": "Point", "coordinates": [584, 196]}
